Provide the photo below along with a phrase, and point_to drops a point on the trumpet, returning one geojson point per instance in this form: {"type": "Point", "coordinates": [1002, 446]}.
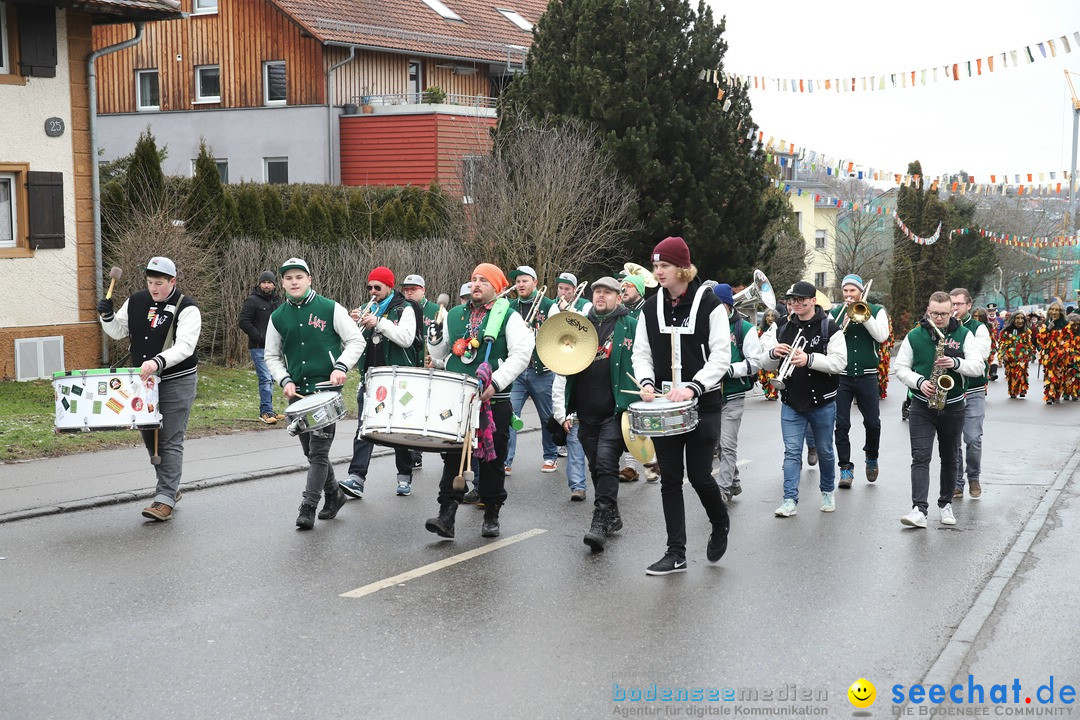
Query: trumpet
{"type": "Point", "coordinates": [540, 295]}
{"type": "Point", "coordinates": [563, 304]}
{"type": "Point", "coordinates": [786, 368]}
{"type": "Point", "coordinates": [858, 311]}
{"type": "Point", "coordinates": [368, 308]}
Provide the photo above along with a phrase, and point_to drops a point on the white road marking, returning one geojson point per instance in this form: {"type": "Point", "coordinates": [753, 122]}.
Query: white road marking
{"type": "Point", "coordinates": [427, 569]}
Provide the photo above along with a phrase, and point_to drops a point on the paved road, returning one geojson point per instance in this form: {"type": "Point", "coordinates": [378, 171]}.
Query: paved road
{"type": "Point", "coordinates": [227, 611]}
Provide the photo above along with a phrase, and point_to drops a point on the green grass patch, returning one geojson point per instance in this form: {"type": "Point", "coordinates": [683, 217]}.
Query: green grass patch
{"type": "Point", "coordinates": [227, 402]}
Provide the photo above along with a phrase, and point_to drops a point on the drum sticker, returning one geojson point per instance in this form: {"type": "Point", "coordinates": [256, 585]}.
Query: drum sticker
{"type": "Point", "coordinates": [65, 389]}
{"type": "Point", "coordinates": [97, 407]}
{"type": "Point", "coordinates": [446, 414]}
{"type": "Point", "coordinates": [150, 407]}
{"type": "Point", "coordinates": [380, 393]}
{"type": "Point", "coordinates": [402, 384]}
{"type": "Point", "coordinates": [115, 383]}
{"type": "Point", "coordinates": [123, 394]}
{"type": "Point", "coordinates": [102, 388]}
{"type": "Point", "coordinates": [150, 383]}
{"type": "Point", "coordinates": [137, 404]}
{"type": "Point", "coordinates": [74, 406]}
{"type": "Point", "coordinates": [76, 390]}
{"type": "Point", "coordinates": [379, 408]}
{"type": "Point", "coordinates": [65, 403]}
{"type": "Point", "coordinates": [407, 415]}
{"type": "Point", "coordinates": [406, 398]}
{"type": "Point", "coordinates": [319, 415]}
{"type": "Point", "coordinates": [114, 405]}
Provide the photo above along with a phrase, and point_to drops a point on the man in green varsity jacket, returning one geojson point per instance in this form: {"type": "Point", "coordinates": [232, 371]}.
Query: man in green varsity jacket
{"type": "Point", "coordinates": [975, 394]}
{"type": "Point", "coordinates": [536, 381]}
{"type": "Point", "coordinates": [310, 340]}
{"type": "Point", "coordinates": [740, 376]}
{"type": "Point", "coordinates": [598, 396]}
{"type": "Point", "coordinates": [859, 382]}
{"type": "Point", "coordinates": [463, 344]}
{"type": "Point", "coordinates": [392, 337]}
{"type": "Point", "coordinates": [915, 362]}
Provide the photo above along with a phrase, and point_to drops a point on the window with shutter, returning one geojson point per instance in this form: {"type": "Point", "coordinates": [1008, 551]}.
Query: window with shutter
{"type": "Point", "coordinates": [45, 200]}
{"type": "Point", "coordinates": [37, 40]}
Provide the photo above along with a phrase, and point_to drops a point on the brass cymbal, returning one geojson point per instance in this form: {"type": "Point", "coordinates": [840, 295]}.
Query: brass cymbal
{"type": "Point", "coordinates": [566, 343]}
{"type": "Point", "coordinates": [640, 446]}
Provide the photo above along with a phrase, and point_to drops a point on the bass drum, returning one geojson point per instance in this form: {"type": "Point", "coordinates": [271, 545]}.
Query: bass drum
{"type": "Point", "coordinates": [418, 408]}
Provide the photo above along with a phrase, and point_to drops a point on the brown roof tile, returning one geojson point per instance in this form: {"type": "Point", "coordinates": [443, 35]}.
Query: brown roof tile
{"type": "Point", "coordinates": [135, 9]}
{"type": "Point", "coordinates": [411, 26]}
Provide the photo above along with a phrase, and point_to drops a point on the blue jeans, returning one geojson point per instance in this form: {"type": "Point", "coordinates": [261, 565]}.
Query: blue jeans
{"type": "Point", "coordinates": [266, 383]}
{"type": "Point", "coordinates": [974, 413]}
{"type": "Point", "coordinates": [537, 386]}
{"type": "Point", "coordinates": [793, 424]}
{"type": "Point", "coordinates": [575, 460]}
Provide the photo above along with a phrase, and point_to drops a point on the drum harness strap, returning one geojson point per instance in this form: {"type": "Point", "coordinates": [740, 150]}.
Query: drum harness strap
{"type": "Point", "coordinates": [675, 330]}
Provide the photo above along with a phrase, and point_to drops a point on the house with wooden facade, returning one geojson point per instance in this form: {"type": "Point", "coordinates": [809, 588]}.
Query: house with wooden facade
{"type": "Point", "coordinates": [386, 92]}
{"type": "Point", "coordinates": [48, 262]}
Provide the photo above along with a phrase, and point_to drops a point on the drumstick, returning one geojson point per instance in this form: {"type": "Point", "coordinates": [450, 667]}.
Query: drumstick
{"type": "Point", "coordinates": [634, 380]}
{"type": "Point", "coordinates": [632, 392]}
{"type": "Point", "coordinates": [114, 274]}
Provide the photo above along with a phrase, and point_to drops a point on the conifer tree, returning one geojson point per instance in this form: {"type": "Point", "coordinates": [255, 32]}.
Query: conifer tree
{"type": "Point", "coordinates": [206, 212]}
{"type": "Point", "coordinates": [273, 211]}
{"type": "Point", "coordinates": [145, 182]}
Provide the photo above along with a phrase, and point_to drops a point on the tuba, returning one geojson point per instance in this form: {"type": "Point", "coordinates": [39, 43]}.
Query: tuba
{"type": "Point", "coordinates": [643, 273]}
{"type": "Point", "coordinates": [758, 291]}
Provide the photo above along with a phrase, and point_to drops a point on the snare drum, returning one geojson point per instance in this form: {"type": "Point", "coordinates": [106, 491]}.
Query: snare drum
{"type": "Point", "coordinates": [661, 417]}
{"type": "Point", "coordinates": [315, 412]}
{"type": "Point", "coordinates": [419, 408]}
{"type": "Point", "coordinates": [106, 399]}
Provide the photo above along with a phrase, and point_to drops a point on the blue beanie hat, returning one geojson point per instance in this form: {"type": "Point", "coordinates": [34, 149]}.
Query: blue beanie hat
{"type": "Point", "coordinates": [852, 279]}
{"type": "Point", "coordinates": [723, 293]}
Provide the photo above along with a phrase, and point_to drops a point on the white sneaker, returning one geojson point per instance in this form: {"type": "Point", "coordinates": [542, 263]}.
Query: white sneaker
{"type": "Point", "coordinates": [915, 518]}
{"type": "Point", "coordinates": [787, 509]}
{"type": "Point", "coordinates": [828, 502]}
{"type": "Point", "coordinates": [947, 518]}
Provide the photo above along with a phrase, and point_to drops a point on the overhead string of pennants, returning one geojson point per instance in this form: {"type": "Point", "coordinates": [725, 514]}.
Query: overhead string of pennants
{"type": "Point", "coordinates": [1015, 242]}
{"type": "Point", "coordinates": [782, 154]}
{"type": "Point", "coordinates": [964, 69]}
{"type": "Point", "coordinates": [915, 238]}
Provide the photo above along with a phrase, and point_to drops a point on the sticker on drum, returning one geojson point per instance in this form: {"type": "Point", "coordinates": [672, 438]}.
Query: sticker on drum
{"type": "Point", "coordinates": [97, 407]}
{"type": "Point", "coordinates": [150, 382]}
{"type": "Point", "coordinates": [136, 404]}
{"type": "Point", "coordinates": [76, 390]}
{"type": "Point", "coordinates": [122, 394]}
{"type": "Point", "coordinates": [406, 398]}
{"type": "Point", "coordinates": [65, 389]}
{"type": "Point", "coordinates": [319, 415]}
{"type": "Point", "coordinates": [379, 408]}
{"type": "Point", "coordinates": [446, 414]}
{"type": "Point", "coordinates": [150, 407]}
{"type": "Point", "coordinates": [380, 393]}
{"type": "Point", "coordinates": [74, 406]}
{"type": "Point", "coordinates": [102, 388]}
{"type": "Point", "coordinates": [65, 403]}
{"type": "Point", "coordinates": [115, 383]}
{"type": "Point", "coordinates": [402, 384]}
{"type": "Point", "coordinates": [114, 405]}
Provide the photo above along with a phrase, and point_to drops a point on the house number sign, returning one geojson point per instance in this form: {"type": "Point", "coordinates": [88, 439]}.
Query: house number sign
{"type": "Point", "coordinates": [54, 127]}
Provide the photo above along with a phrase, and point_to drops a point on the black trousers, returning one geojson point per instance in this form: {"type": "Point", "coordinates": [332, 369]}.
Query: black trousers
{"type": "Point", "coordinates": [603, 447]}
{"type": "Point", "coordinates": [697, 446]}
{"type": "Point", "coordinates": [491, 474]}
{"type": "Point", "coordinates": [924, 425]}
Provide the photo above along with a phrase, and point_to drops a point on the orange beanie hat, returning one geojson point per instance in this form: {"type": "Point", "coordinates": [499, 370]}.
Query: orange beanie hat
{"type": "Point", "coordinates": [493, 275]}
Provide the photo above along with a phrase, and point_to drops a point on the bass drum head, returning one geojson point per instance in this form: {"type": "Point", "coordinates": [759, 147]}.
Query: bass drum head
{"type": "Point", "coordinates": [411, 440]}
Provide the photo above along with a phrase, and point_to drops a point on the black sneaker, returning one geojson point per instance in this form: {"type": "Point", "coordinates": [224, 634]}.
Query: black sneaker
{"type": "Point", "coordinates": [670, 563]}
{"type": "Point", "coordinates": [472, 497]}
{"type": "Point", "coordinates": [417, 460]}
{"type": "Point", "coordinates": [717, 545]}
{"type": "Point", "coordinates": [332, 504]}
{"type": "Point", "coordinates": [736, 488]}
{"type": "Point", "coordinates": [306, 519]}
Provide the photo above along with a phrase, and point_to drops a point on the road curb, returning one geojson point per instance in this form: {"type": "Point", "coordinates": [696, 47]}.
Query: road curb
{"type": "Point", "coordinates": [951, 659]}
{"type": "Point", "coordinates": [129, 496]}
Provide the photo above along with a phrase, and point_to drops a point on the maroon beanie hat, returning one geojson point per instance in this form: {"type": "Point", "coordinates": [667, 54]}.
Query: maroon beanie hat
{"type": "Point", "coordinates": [383, 275]}
{"type": "Point", "coordinates": [672, 250]}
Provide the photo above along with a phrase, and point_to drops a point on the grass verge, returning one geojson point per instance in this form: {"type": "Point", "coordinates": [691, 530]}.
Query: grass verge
{"type": "Point", "coordinates": [227, 402]}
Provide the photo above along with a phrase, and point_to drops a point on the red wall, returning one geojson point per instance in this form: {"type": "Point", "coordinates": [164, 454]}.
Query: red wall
{"type": "Point", "coordinates": [410, 149]}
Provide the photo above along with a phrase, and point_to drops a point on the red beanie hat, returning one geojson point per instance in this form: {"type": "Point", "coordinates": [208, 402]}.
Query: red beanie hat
{"type": "Point", "coordinates": [383, 275]}
{"type": "Point", "coordinates": [493, 275]}
{"type": "Point", "coordinates": [672, 250]}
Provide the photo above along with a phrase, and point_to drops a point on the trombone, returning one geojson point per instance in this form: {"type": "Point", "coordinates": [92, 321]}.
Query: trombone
{"type": "Point", "coordinates": [786, 368]}
{"type": "Point", "coordinates": [858, 311]}
{"type": "Point", "coordinates": [534, 310]}
{"type": "Point", "coordinates": [563, 304]}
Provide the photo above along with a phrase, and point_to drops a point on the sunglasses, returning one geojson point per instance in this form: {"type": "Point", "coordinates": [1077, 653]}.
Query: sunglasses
{"type": "Point", "coordinates": [374, 287]}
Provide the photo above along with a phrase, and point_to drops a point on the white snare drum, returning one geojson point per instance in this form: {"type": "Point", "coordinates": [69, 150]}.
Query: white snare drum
{"type": "Point", "coordinates": [315, 412]}
{"type": "Point", "coordinates": [107, 399]}
{"type": "Point", "coordinates": [661, 417]}
{"type": "Point", "coordinates": [418, 408]}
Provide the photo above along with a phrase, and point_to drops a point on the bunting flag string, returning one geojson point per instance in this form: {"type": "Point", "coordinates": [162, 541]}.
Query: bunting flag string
{"type": "Point", "coordinates": [1044, 183]}
{"type": "Point", "coordinates": [915, 238]}
{"type": "Point", "coordinates": [962, 70]}
{"type": "Point", "coordinates": [1057, 262]}
{"type": "Point", "coordinates": [1019, 241]}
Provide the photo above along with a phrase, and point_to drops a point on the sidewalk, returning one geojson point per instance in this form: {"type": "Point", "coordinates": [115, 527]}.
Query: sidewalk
{"type": "Point", "coordinates": [85, 480]}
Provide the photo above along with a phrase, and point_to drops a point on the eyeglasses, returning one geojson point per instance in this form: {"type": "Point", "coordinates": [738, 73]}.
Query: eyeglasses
{"type": "Point", "coordinates": [962, 303]}
{"type": "Point", "coordinates": [374, 287]}
{"type": "Point", "coordinates": [799, 300]}
{"type": "Point", "coordinates": [939, 314]}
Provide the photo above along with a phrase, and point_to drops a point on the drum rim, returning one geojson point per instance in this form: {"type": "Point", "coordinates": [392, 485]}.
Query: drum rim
{"type": "Point", "coordinates": [327, 396]}
{"type": "Point", "coordinates": [664, 403]}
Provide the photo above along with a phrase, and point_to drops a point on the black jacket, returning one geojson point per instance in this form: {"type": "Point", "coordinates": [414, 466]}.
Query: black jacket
{"type": "Point", "coordinates": [256, 314]}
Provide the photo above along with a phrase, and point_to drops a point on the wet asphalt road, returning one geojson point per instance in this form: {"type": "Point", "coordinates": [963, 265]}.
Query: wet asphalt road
{"type": "Point", "coordinates": [227, 611]}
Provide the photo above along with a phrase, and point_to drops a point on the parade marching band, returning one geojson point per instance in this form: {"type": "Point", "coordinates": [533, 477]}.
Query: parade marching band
{"type": "Point", "coordinates": [647, 373]}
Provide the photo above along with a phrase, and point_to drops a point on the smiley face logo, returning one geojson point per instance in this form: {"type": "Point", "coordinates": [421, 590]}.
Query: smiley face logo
{"type": "Point", "coordinates": [862, 693]}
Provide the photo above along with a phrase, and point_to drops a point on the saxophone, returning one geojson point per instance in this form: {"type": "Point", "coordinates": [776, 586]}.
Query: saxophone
{"type": "Point", "coordinates": [940, 377]}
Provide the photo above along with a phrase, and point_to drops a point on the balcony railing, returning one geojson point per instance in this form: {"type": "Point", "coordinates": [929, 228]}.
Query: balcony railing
{"type": "Point", "coordinates": [476, 101]}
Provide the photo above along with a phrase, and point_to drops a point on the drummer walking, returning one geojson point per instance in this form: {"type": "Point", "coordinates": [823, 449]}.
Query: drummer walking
{"type": "Point", "coordinates": [311, 340]}
{"type": "Point", "coordinates": [683, 331]}
{"type": "Point", "coordinates": [164, 326]}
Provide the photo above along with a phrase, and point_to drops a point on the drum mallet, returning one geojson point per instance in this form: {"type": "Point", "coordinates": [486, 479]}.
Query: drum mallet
{"type": "Point", "coordinates": [459, 479]}
{"type": "Point", "coordinates": [467, 476]}
{"type": "Point", "coordinates": [155, 459]}
{"type": "Point", "coordinates": [114, 275]}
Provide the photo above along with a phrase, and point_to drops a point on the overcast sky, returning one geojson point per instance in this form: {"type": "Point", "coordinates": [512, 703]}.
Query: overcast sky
{"type": "Point", "coordinates": [1016, 120]}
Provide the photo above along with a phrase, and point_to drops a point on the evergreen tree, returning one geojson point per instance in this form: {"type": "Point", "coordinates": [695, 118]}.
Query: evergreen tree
{"type": "Point", "coordinates": [250, 221]}
{"type": "Point", "coordinates": [972, 258]}
{"type": "Point", "coordinates": [295, 222]}
{"type": "Point", "coordinates": [320, 226]}
{"type": "Point", "coordinates": [145, 183]}
{"type": "Point", "coordinates": [273, 211]}
{"type": "Point", "coordinates": [637, 70]}
{"type": "Point", "coordinates": [206, 212]}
